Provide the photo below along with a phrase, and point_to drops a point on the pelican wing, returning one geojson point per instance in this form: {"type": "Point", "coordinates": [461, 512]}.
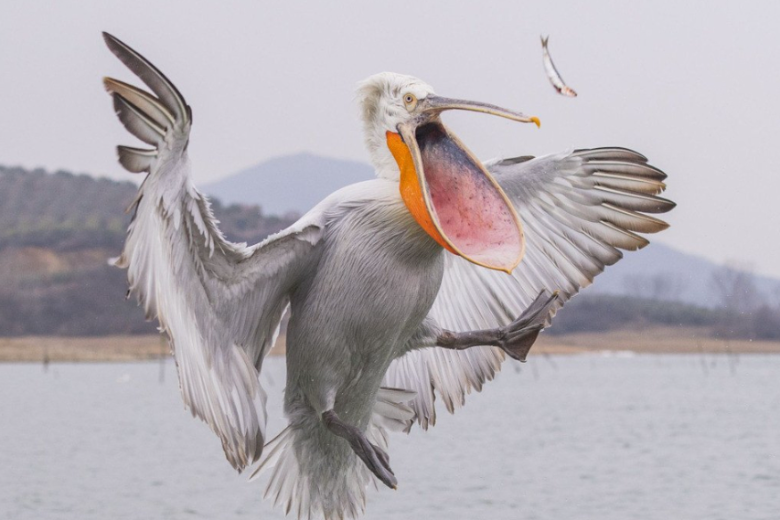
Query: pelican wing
{"type": "Point", "coordinates": [578, 210]}
{"type": "Point", "coordinates": [219, 303]}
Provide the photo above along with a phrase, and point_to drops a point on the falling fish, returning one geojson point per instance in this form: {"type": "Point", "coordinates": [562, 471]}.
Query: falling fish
{"type": "Point", "coordinates": [553, 74]}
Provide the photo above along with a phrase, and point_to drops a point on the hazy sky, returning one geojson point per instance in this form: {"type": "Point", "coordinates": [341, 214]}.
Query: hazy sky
{"type": "Point", "coordinates": [695, 86]}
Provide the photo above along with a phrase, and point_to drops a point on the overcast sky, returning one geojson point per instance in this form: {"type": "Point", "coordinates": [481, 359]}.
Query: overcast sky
{"type": "Point", "coordinates": [695, 86]}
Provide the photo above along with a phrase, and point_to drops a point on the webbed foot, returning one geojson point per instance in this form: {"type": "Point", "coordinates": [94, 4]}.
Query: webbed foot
{"type": "Point", "coordinates": [517, 338]}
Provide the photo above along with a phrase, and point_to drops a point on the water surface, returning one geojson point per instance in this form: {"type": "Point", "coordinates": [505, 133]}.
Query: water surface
{"type": "Point", "coordinates": [579, 437]}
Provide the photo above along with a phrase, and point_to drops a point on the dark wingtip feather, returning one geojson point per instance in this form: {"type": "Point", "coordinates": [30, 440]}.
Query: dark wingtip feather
{"type": "Point", "coordinates": [153, 77]}
{"type": "Point", "coordinates": [113, 43]}
{"type": "Point", "coordinates": [136, 160]}
{"type": "Point", "coordinates": [610, 153]}
{"type": "Point", "coordinates": [136, 121]}
{"type": "Point", "coordinates": [107, 84]}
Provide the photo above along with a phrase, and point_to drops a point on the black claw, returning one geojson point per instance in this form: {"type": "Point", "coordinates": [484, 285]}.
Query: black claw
{"type": "Point", "coordinates": [383, 457]}
{"type": "Point", "coordinates": [377, 462]}
{"type": "Point", "coordinates": [372, 456]}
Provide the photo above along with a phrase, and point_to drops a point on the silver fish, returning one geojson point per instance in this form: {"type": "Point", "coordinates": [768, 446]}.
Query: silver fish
{"type": "Point", "coordinates": [552, 73]}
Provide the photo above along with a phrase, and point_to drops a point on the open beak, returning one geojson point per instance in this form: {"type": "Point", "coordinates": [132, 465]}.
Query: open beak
{"type": "Point", "coordinates": [448, 191]}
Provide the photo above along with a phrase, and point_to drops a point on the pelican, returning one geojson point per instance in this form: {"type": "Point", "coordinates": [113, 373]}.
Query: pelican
{"type": "Point", "coordinates": [414, 284]}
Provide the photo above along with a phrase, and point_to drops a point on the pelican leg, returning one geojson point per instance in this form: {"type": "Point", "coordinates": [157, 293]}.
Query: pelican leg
{"type": "Point", "coordinates": [516, 339]}
{"type": "Point", "coordinates": [373, 456]}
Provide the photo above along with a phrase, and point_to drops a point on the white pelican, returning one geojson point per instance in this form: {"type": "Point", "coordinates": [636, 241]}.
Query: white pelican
{"type": "Point", "coordinates": [397, 287]}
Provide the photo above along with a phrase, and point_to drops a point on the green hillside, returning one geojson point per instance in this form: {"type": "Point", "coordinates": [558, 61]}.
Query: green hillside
{"type": "Point", "coordinates": [61, 210]}
{"type": "Point", "coordinates": [57, 231]}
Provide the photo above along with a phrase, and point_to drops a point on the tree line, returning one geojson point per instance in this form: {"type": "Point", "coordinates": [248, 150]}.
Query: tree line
{"type": "Point", "coordinates": [57, 231]}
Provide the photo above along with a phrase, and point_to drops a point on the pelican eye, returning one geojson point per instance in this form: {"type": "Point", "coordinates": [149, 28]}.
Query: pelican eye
{"type": "Point", "coordinates": [410, 101]}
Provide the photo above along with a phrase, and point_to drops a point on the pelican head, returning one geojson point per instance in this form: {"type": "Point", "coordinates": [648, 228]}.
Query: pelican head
{"type": "Point", "coordinates": [447, 190]}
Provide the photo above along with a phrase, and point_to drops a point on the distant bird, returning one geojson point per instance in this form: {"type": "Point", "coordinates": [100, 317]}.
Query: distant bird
{"type": "Point", "coordinates": [397, 287]}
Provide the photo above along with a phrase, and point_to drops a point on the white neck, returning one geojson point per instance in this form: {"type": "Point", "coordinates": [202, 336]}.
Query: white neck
{"type": "Point", "coordinates": [381, 158]}
{"type": "Point", "coordinates": [381, 110]}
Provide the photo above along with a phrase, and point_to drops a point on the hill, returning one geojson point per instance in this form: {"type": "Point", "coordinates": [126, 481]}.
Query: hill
{"type": "Point", "coordinates": [66, 212]}
{"type": "Point", "coordinates": [61, 210]}
{"type": "Point", "coordinates": [661, 272]}
{"type": "Point", "coordinates": [58, 230]}
{"type": "Point", "coordinates": [293, 183]}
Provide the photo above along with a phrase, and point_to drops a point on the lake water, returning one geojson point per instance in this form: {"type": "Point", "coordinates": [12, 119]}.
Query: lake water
{"type": "Point", "coordinates": [579, 437]}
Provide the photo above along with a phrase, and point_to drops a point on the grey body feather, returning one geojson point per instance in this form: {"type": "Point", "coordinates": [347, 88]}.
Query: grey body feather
{"type": "Point", "coordinates": [368, 290]}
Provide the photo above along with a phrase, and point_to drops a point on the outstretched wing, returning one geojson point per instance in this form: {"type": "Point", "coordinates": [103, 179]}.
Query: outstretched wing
{"type": "Point", "coordinates": [220, 303]}
{"type": "Point", "coordinates": [578, 210]}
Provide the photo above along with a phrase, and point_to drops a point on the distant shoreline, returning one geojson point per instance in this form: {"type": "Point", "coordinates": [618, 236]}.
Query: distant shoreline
{"type": "Point", "coordinates": [57, 349]}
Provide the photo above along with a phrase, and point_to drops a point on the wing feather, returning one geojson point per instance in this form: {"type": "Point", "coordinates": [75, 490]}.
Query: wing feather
{"type": "Point", "coordinates": [136, 160]}
{"type": "Point", "coordinates": [141, 99]}
{"type": "Point", "coordinates": [166, 91]}
{"type": "Point", "coordinates": [578, 209]}
{"type": "Point", "coordinates": [219, 303]}
{"type": "Point", "coordinates": [138, 122]}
